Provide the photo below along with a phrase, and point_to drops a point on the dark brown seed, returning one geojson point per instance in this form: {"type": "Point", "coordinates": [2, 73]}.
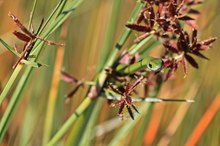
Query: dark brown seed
{"type": "Point", "coordinates": [130, 112]}
{"type": "Point", "coordinates": [208, 41]}
{"type": "Point", "coordinates": [170, 47]}
{"type": "Point", "coordinates": [194, 36]}
{"type": "Point", "coordinates": [135, 108]}
{"type": "Point", "coordinates": [152, 16]}
{"type": "Point", "coordinates": [113, 89]}
{"type": "Point", "coordinates": [185, 18]}
{"type": "Point", "coordinates": [121, 108]}
{"type": "Point", "coordinates": [193, 11]}
{"type": "Point", "coordinates": [186, 35]}
{"type": "Point", "coordinates": [68, 78]}
{"type": "Point", "coordinates": [141, 16]}
{"type": "Point", "coordinates": [137, 82]}
{"type": "Point", "coordinates": [197, 53]}
{"type": "Point", "coordinates": [22, 36]}
{"type": "Point", "coordinates": [191, 61]}
{"type": "Point", "coordinates": [20, 25]}
{"type": "Point", "coordinates": [73, 92]}
{"type": "Point", "coordinates": [172, 10]}
{"type": "Point", "coordinates": [138, 27]}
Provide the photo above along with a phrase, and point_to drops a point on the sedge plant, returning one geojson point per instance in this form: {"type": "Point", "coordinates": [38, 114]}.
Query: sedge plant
{"type": "Point", "coordinates": [125, 69]}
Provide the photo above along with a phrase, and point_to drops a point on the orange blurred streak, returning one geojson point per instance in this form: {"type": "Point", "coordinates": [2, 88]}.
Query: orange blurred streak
{"type": "Point", "coordinates": [54, 86]}
{"type": "Point", "coordinates": [204, 122]}
{"type": "Point", "coordinates": [3, 106]}
{"type": "Point", "coordinates": [153, 125]}
{"type": "Point", "coordinates": [178, 117]}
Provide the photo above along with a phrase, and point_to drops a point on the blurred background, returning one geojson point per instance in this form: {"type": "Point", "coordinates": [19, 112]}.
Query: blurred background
{"type": "Point", "coordinates": [84, 34]}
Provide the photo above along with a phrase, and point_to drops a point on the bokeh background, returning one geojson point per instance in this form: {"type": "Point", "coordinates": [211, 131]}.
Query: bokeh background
{"type": "Point", "coordinates": [84, 32]}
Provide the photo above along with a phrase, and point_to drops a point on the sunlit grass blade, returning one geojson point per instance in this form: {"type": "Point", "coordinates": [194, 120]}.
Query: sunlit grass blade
{"type": "Point", "coordinates": [80, 109]}
{"type": "Point", "coordinates": [204, 122]}
{"type": "Point", "coordinates": [5, 121]}
{"type": "Point", "coordinates": [32, 14]}
{"type": "Point", "coordinates": [109, 36]}
{"type": "Point", "coordinates": [32, 64]}
{"type": "Point", "coordinates": [107, 126]}
{"type": "Point", "coordinates": [7, 116]}
{"type": "Point", "coordinates": [144, 125]}
{"type": "Point", "coordinates": [178, 117]}
{"type": "Point", "coordinates": [9, 84]}
{"type": "Point", "coordinates": [83, 106]}
{"type": "Point", "coordinates": [79, 127]}
{"type": "Point", "coordinates": [18, 69]}
{"type": "Point", "coordinates": [9, 48]}
{"type": "Point", "coordinates": [54, 87]}
{"type": "Point", "coordinates": [87, 137]}
{"type": "Point", "coordinates": [135, 48]}
{"type": "Point", "coordinates": [53, 95]}
{"type": "Point", "coordinates": [123, 132]}
{"type": "Point", "coordinates": [150, 99]}
{"type": "Point", "coordinates": [149, 47]}
{"type": "Point", "coordinates": [83, 136]}
{"type": "Point", "coordinates": [114, 96]}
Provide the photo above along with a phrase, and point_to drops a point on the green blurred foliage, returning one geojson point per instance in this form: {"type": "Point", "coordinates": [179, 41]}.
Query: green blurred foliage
{"type": "Point", "coordinates": [86, 29]}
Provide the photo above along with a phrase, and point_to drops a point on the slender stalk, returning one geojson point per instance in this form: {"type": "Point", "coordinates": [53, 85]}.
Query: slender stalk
{"type": "Point", "coordinates": [119, 45]}
{"type": "Point", "coordinates": [18, 68]}
{"type": "Point", "coordinates": [128, 126]}
{"type": "Point", "coordinates": [5, 121]}
{"type": "Point", "coordinates": [146, 120]}
{"type": "Point", "coordinates": [82, 107]}
{"type": "Point", "coordinates": [82, 130]}
{"type": "Point", "coordinates": [9, 48]}
{"type": "Point", "coordinates": [10, 83]}
{"type": "Point", "coordinates": [134, 48]}
{"type": "Point", "coordinates": [102, 77]}
{"type": "Point", "coordinates": [52, 96]}
{"type": "Point", "coordinates": [32, 13]}
{"type": "Point", "coordinates": [111, 95]}
{"type": "Point", "coordinates": [6, 118]}
{"type": "Point", "coordinates": [107, 44]}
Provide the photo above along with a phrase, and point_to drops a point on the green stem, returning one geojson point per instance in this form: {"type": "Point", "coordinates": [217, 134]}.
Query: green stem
{"type": "Point", "coordinates": [10, 83]}
{"type": "Point", "coordinates": [134, 48]}
{"type": "Point", "coordinates": [82, 107]}
{"type": "Point", "coordinates": [18, 69]}
{"type": "Point", "coordinates": [107, 44]}
{"type": "Point", "coordinates": [100, 81]}
{"type": "Point", "coordinates": [119, 45]}
{"type": "Point", "coordinates": [147, 117]}
{"type": "Point", "coordinates": [83, 127]}
{"type": "Point", "coordinates": [32, 14]}
{"type": "Point", "coordinates": [6, 118]}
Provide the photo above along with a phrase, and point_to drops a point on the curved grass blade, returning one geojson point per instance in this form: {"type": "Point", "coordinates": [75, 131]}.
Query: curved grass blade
{"type": "Point", "coordinates": [128, 126]}
{"type": "Point", "coordinates": [83, 106]}
{"type": "Point", "coordinates": [9, 48]}
{"type": "Point", "coordinates": [5, 121]}
{"type": "Point", "coordinates": [32, 14]}
{"type": "Point", "coordinates": [87, 123]}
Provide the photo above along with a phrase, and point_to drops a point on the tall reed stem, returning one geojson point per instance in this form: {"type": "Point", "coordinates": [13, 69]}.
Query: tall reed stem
{"type": "Point", "coordinates": [99, 82]}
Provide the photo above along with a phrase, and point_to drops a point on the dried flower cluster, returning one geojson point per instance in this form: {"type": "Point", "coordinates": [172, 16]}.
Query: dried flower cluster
{"type": "Point", "coordinates": [29, 38]}
{"type": "Point", "coordinates": [165, 20]}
